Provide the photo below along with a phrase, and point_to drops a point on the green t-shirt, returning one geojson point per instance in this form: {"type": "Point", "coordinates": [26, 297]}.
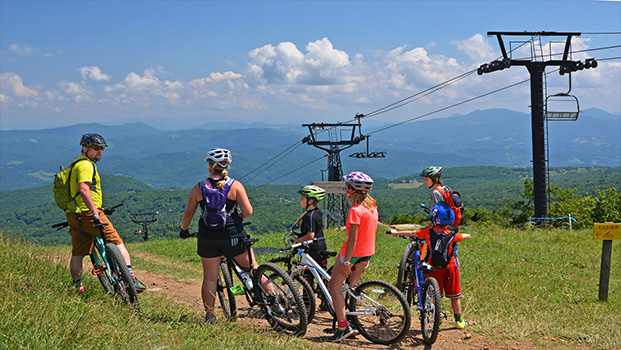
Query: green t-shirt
{"type": "Point", "coordinates": [86, 171]}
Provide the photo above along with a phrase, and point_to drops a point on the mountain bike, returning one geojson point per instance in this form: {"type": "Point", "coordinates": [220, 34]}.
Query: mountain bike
{"type": "Point", "coordinates": [109, 265]}
{"type": "Point", "coordinates": [307, 285]}
{"type": "Point", "coordinates": [422, 292]}
{"type": "Point", "coordinates": [377, 309]}
{"type": "Point", "coordinates": [268, 286]}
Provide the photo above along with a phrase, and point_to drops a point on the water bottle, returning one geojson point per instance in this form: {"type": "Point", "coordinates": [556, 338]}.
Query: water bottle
{"type": "Point", "coordinates": [245, 278]}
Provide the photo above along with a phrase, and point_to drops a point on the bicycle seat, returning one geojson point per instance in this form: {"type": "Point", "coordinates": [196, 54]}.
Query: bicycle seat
{"type": "Point", "coordinates": [250, 241]}
{"type": "Point", "coordinates": [327, 253]}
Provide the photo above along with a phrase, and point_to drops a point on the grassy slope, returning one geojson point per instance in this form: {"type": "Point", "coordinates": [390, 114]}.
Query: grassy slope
{"type": "Point", "coordinates": [534, 284]}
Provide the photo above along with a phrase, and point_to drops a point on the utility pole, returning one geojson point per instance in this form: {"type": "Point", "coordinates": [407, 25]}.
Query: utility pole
{"type": "Point", "coordinates": [537, 70]}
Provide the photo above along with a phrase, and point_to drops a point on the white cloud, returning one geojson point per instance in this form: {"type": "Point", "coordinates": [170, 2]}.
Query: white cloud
{"type": "Point", "coordinates": [93, 73]}
{"type": "Point", "coordinates": [27, 50]}
{"type": "Point", "coordinates": [478, 48]}
{"type": "Point", "coordinates": [318, 78]}
{"type": "Point", "coordinates": [11, 83]}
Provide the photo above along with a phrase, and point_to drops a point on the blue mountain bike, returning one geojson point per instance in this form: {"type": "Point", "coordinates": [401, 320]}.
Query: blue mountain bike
{"type": "Point", "coordinates": [110, 267]}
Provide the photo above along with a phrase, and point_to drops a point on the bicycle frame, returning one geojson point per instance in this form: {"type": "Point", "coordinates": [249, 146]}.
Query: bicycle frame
{"type": "Point", "coordinates": [100, 245]}
{"type": "Point", "coordinates": [309, 263]}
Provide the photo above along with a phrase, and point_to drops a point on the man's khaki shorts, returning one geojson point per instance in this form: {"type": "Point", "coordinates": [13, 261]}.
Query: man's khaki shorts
{"type": "Point", "coordinates": [83, 243]}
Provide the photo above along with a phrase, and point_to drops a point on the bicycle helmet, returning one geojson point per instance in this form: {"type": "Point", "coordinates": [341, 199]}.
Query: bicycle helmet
{"type": "Point", "coordinates": [220, 157]}
{"type": "Point", "coordinates": [432, 171]}
{"type": "Point", "coordinates": [359, 181]}
{"type": "Point", "coordinates": [441, 214]}
{"type": "Point", "coordinates": [312, 191]}
{"type": "Point", "coordinates": [92, 140]}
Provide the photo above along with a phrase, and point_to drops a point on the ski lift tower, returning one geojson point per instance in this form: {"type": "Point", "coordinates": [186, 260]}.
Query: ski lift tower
{"type": "Point", "coordinates": [334, 138]}
{"type": "Point", "coordinates": [144, 220]}
{"type": "Point", "coordinates": [536, 68]}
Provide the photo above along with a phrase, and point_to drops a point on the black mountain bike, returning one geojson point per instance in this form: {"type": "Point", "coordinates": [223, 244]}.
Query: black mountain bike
{"type": "Point", "coordinates": [269, 287]}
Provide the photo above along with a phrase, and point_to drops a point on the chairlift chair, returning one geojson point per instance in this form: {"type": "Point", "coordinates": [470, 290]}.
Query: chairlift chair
{"type": "Point", "coordinates": [556, 107]}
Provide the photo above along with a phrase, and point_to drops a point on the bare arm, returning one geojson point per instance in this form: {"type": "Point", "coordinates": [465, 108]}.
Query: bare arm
{"type": "Point", "coordinates": [190, 208]}
{"type": "Point", "coordinates": [85, 192]}
{"type": "Point", "coordinates": [238, 194]}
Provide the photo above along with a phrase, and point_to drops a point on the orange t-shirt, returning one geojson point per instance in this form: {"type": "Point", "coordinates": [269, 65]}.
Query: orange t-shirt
{"type": "Point", "coordinates": [367, 228]}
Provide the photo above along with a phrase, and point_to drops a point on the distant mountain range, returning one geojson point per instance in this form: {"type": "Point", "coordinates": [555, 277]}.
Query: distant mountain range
{"type": "Point", "coordinates": [267, 154]}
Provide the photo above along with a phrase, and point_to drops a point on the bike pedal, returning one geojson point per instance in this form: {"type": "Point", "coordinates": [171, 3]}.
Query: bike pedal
{"type": "Point", "coordinates": [238, 290]}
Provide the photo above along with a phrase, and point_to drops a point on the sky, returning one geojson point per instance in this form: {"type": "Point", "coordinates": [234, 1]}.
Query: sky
{"type": "Point", "coordinates": [176, 64]}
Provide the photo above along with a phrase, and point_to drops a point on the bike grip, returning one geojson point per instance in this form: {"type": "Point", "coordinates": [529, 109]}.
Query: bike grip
{"type": "Point", "coordinates": [60, 224]}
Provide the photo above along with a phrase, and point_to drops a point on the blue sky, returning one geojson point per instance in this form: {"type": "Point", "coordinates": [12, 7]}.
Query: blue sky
{"type": "Point", "coordinates": [191, 62]}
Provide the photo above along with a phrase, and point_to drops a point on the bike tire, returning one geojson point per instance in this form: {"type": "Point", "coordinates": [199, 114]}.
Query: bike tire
{"type": "Point", "coordinates": [412, 289]}
{"type": "Point", "coordinates": [390, 318]}
{"type": "Point", "coordinates": [282, 305]}
{"type": "Point", "coordinates": [225, 294]}
{"type": "Point", "coordinates": [124, 285]}
{"type": "Point", "coordinates": [306, 290]}
{"type": "Point", "coordinates": [99, 265]}
{"type": "Point", "coordinates": [431, 311]}
{"type": "Point", "coordinates": [405, 266]}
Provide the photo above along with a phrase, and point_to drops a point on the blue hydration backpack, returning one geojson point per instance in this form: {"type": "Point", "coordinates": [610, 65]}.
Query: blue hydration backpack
{"type": "Point", "coordinates": [214, 204]}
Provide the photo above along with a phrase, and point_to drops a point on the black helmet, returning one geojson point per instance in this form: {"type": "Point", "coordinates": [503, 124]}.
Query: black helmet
{"type": "Point", "coordinates": [93, 140]}
{"type": "Point", "coordinates": [431, 171]}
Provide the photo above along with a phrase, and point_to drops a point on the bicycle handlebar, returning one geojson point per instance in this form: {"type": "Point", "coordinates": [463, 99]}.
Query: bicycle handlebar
{"type": "Point", "coordinates": [106, 211]}
{"type": "Point", "coordinates": [112, 209]}
{"type": "Point", "coordinates": [305, 243]}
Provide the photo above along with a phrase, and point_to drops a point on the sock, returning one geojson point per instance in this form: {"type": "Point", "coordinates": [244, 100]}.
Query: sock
{"type": "Point", "coordinates": [458, 318]}
{"type": "Point", "coordinates": [79, 286]}
{"type": "Point", "coordinates": [342, 324]}
{"type": "Point", "coordinates": [131, 272]}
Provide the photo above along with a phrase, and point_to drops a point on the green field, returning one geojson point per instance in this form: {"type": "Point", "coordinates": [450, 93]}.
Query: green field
{"type": "Point", "coordinates": [531, 285]}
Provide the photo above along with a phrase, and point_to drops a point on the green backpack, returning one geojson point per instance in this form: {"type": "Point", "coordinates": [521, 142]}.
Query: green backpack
{"type": "Point", "coordinates": [62, 189]}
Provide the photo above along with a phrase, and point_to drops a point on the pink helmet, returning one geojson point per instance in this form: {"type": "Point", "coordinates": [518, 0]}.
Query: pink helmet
{"type": "Point", "coordinates": [359, 181]}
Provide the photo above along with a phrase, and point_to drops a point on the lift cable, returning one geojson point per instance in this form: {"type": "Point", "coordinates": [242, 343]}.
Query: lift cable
{"type": "Point", "coordinates": [294, 170]}
{"type": "Point", "coordinates": [290, 149]}
{"type": "Point", "coordinates": [448, 107]}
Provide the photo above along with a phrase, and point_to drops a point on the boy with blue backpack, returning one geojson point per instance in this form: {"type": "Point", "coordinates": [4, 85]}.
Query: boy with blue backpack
{"type": "Point", "coordinates": [441, 241]}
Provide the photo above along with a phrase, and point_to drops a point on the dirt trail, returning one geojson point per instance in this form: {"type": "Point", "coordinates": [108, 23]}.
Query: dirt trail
{"type": "Point", "coordinates": [449, 338]}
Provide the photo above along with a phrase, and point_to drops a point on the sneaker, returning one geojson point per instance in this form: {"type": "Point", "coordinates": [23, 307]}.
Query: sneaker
{"type": "Point", "coordinates": [210, 320]}
{"type": "Point", "coordinates": [140, 287]}
{"type": "Point", "coordinates": [342, 334]}
{"type": "Point", "coordinates": [460, 324]}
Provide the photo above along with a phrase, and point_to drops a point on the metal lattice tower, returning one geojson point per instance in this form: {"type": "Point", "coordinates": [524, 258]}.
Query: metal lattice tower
{"type": "Point", "coordinates": [334, 138]}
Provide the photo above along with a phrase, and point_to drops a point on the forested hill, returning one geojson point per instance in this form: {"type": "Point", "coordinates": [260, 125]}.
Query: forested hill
{"type": "Point", "coordinates": [168, 159]}
{"type": "Point", "coordinates": [29, 213]}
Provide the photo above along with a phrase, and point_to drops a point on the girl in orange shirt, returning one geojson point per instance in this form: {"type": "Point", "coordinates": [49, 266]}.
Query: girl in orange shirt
{"type": "Point", "coordinates": [358, 248]}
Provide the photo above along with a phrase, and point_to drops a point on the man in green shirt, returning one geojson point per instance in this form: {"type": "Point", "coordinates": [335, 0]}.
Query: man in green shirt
{"type": "Point", "coordinates": [85, 184]}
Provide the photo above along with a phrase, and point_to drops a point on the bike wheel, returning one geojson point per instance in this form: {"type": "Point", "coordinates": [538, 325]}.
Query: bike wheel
{"type": "Point", "coordinates": [382, 315]}
{"type": "Point", "coordinates": [100, 269]}
{"type": "Point", "coordinates": [405, 266]}
{"type": "Point", "coordinates": [124, 285]}
{"type": "Point", "coordinates": [308, 295]}
{"type": "Point", "coordinates": [282, 305]}
{"type": "Point", "coordinates": [431, 312]}
{"type": "Point", "coordinates": [225, 294]}
{"type": "Point", "coordinates": [412, 289]}
{"type": "Point", "coordinates": [305, 289]}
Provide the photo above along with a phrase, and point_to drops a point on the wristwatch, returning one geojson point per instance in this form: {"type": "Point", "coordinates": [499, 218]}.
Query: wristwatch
{"type": "Point", "coordinates": [346, 263]}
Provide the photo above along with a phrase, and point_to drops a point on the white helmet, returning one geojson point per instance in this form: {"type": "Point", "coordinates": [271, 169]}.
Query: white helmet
{"type": "Point", "coordinates": [220, 157]}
